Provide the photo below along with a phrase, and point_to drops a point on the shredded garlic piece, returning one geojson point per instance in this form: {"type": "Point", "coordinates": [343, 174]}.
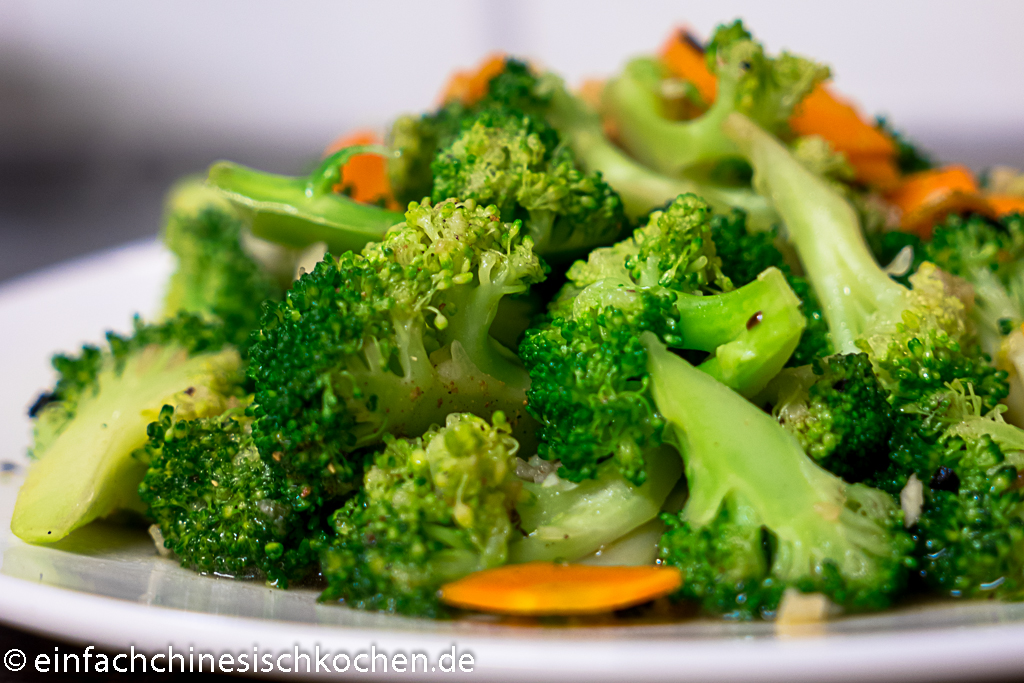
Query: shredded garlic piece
{"type": "Point", "coordinates": [911, 500]}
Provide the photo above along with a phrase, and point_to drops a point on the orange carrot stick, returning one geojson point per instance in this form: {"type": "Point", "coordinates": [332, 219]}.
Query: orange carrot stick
{"type": "Point", "coordinates": [470, 85]}
{"type": "Point", "coordinates": [1005, 204]}
{"type": "Point", "coordinates": [684, 57]}
{"type": "Point", "coordinates": [544, 588]}
{"type": "Point", "coordinates": [838, 121]}
{"type": "Point", "coordinates": [365, 175]}
{"type": "Point", "coordinates": [926, 197]}
{"type": "Point", "coordinates": [875, 170]}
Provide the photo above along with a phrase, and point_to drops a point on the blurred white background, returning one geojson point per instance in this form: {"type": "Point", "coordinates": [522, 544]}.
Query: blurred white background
{"type": "Point", "coordinates": [103, 102]}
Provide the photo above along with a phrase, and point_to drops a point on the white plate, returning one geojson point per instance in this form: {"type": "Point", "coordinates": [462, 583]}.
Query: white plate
{"type": "Point", "coordinates": [107, 587]}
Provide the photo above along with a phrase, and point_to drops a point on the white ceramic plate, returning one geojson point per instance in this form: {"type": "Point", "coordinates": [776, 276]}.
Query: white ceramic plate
{"type": "Point", "coordinates": [107, 587]}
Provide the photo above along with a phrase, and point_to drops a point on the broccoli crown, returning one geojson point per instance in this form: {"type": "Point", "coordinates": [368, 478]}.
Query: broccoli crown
{"type": "Point", "coordinates": [745, 254]}
{"type": "Point", "coordinates": [219, 506]}
{"type": "Point", "coordinates": [988, 254]}
{"type": "Point", "coordinates": [390, 340]}
{"type": "Point", "coordinates": [676, 249]}
{"type": "Point", "coordinates": [589, 388]}
{"type": "Point", "coordinates": [515, 161]}
{"type": "Point", "coordinates": [761, 519]}
{"type": "Point", "coordinates": [96, 417]}
{"type": "Point", "coordinates": [215, 276]}
{"type": "Point", "coordinates": [930, 347]}
{"type": "Point", "coordinates": [971, 529]}
{"type": "Point", "coordinates": [843, 419]}
{"type": "Point", "coordinates": [417, 139]}
{"type": "Point", "coordinates": [971, 526]}
{"type": "Point", "coordinates": [432, 510]}
{"type": "Point", "coordinates": [764, 88]}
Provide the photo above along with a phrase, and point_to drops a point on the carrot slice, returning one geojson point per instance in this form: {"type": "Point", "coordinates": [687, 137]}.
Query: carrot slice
{"type": "Point", "coordinates": [470, 85]}
{"type": "Point", "coordinates": [1005, 204]}
{"type": "Point", "coordinates": [684, 57]}
{"type": "Point", "coordinates": [544, 588]}
{"type": "Point", "coordinates": [364, 175]}
{"type": "Point", "coordinates": [875, 170]}
{"type": "Point", "coordinates": [838, 121]}
{"type": "Point", "coordinates": [926, 197]}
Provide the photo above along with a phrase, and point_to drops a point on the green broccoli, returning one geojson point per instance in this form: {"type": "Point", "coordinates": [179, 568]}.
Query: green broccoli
{"type": "Point", "coordinates": [970, 527]}
{"type": "Point", "coordinates": [300, 211]}
{"type": "Point", "coordinates": [761, 516]}
{"type": "Point", "coordinates": [219, 506]}
{"type": "Point", "coordinates": [214, 275]}
{"type": "Point", "coordinates": [840, 414]}
{"type": "Point", "coordinates": [589, 385]}
{"type": "Point", "coordinates": [765, 89]}
{"type": "Point", "coordinates": [515, 161]}
{"type": "Point", "coordinates": [391, 341]}
{"type": "Point", "coordinates": [987, 254]}
{"type": "Point", "coordinates": [432, 509]}
{"type": "Point", "coordinates": [96, 417]}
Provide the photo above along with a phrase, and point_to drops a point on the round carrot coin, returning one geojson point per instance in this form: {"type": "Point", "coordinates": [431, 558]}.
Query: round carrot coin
{"type": "Point", "coordinates": [545, 588]}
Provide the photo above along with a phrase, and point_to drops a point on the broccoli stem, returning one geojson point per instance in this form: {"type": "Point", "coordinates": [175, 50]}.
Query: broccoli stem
{"type": "Point", "coordinates": [732, 447]}
{"type": "Point", "coordinates": [668, 146]}
{"type": "Point", "coordinates": [854, 291]}
{"type": "Point", "coordinates": [752, 331]}
{"type": "Point", "coordinates": [567, 521]}
{"type": "Point", "coordinates": [300, 211]}
{"type": "Point", "coordinates": [641, 188]}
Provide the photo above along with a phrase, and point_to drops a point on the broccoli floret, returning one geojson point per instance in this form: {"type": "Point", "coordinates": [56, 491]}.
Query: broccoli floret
{"type": "Point", "coordinates": [300, 211]}
{"type": "Point", "coordinates": [589, 385]}
{"type": "Point", "coordinates": [214, 276]}
{"type": "Point", "coordinates": [990, 256]}
{"type": "Point", "coordinates": [432, 510]}
{"type": "Point", "coordinates": [416, 140]}
{"type": "Point", "coordinates": [220, 508]}
{"type": "Point", "coordinates": [761, 516]}
{"type": "Point", "coordinates": [97, 415]}
{"type": "Point", "coordinates": [918, 339]}
{"type": "Point", "coordinates": [391, 340]}
{"type": "Point", "coordinates": [970, 530]}
{"type": "Point", "coordinates": [745, 254]}
{"type": "Point", "coordinates": [515, 161]}
{"type": "Point", "coordinates": [765, 89]}
{"type": "Point", "coordinates": [842, 419]}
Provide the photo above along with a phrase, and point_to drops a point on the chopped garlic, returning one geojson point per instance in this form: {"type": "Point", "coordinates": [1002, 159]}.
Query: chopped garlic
{"type": "Point", "coordinates": [900, 265]}
{"type": "Point", "coordinates": [804, 608]}
{"type": "Point", "coordinates": [158, 541]}
{"type": "Point", "coordinates": [911, 500]}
